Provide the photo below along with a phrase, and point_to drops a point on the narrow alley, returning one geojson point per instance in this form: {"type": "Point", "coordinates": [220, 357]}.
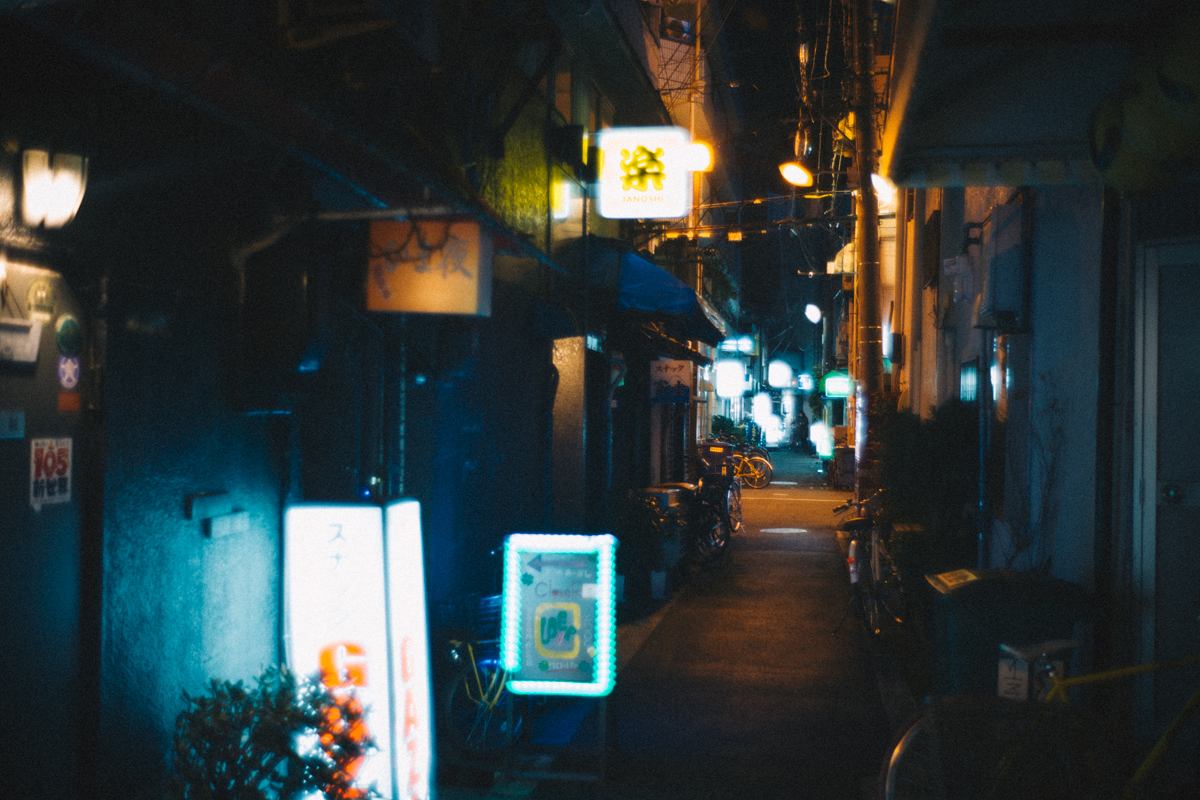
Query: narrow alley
{"type": "Point", "coordinates": [740, 686]}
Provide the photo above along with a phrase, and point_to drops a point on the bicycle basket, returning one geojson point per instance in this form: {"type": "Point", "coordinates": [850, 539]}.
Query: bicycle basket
{"type": "Point", "coordinates": [716, 458]}
{"type": "Point", "coordinates": [472, 615]}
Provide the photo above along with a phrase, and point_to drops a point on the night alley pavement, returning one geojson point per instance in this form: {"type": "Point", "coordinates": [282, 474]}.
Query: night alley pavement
{"type": "Point", "coordinates": [738, 688]}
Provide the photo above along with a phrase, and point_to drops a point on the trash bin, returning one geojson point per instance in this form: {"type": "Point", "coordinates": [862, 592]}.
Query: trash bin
{"type": "Point", "coordinates": [976, 610]}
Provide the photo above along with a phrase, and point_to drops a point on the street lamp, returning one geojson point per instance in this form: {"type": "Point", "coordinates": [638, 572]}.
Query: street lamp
{"type": "Point", "coordinates": [813, 313]}
{"type": "Point", "coordinates": [794, 173]}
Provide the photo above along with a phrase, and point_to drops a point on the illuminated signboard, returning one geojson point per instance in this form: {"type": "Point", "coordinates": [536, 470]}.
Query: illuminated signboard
{"type": "Point", "coordinates": [435, 265]}
{"type": "Point", "coordinates": [412, 706]}
{"type": "Point", "coordinates": [835, 384]}
{"type": "Point", "coordinates": [338, 563]}
{"type": "Point", "coordinates": [644, 173]}
{"type": "Point", "coordinates": [559, 631]}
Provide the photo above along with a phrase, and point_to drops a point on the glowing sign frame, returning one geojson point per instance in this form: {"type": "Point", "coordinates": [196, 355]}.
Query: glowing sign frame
{"type": "Point", "coordinates": [665, 145]}
{"type": "Point", "coordinates": [519, 594]}
{"type": "Point", "coordinates": [836, 384]}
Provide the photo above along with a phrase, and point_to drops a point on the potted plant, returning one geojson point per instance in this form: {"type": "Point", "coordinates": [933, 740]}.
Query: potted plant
{"type": "Point", "coordinates": [279, 739]}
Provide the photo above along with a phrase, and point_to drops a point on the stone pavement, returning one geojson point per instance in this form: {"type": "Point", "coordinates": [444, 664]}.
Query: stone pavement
{"type": "Point", "coordinates": [738, 685]}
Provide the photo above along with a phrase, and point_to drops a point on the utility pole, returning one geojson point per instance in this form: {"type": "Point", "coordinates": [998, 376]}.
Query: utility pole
{"type": "Point", "coordinates": [867, 288]}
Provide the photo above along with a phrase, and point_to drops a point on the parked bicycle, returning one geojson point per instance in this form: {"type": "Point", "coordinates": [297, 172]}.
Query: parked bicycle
{"type": "Point", "coordinates": [877, 590]}
{"type": "Point", "coordinates": [710, 510]}
{"type": "Point", "coordinates": [995, 747]}
{"type": "Point", "coordinates": [476, 714]}
{"type": "Point", "coordinates": [753, 471]}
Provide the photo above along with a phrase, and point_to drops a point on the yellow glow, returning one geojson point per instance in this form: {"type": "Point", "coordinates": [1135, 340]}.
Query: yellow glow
{"type": "Point", "coordinates": [53, 187]}
{"type": "Point", "coordinates": [561, 200]}
{"type": "Point", "coordinates": [735, 236]}
{"type": "Point", "coordinates": [885, 190]}
{"type": "Point", "coordinates": [795, 174]}
{"type": "Point", "coordinates": [698, 157]}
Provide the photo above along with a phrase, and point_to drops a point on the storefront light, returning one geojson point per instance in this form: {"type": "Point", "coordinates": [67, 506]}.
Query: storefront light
{"type": "Point", "coordinates": [779, 374]}
{"type": "Point", "coordinates": [731, 378]}
{"type": "Point", "coordinates": [822, 439]}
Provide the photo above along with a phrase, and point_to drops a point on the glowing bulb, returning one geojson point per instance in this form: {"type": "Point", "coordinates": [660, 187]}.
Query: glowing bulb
{"type": "Point", "coordinates": [697, 157]}
{"type": "Point", "coordinates": [813, 313]}
{"type": "Point", "coordinates": [885, 190]}
{"type": "Point", "coordinates": [795, 174]}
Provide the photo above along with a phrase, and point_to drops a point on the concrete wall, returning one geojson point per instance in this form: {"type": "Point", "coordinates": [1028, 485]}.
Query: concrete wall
{"type": "Point", "coordinates": [1065, 308]}
{"type": "Point", "coordinates": [178, 608]}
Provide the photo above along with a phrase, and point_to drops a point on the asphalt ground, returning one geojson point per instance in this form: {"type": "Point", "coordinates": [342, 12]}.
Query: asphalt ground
{"type": "Point", "coordinates": [742, 684]}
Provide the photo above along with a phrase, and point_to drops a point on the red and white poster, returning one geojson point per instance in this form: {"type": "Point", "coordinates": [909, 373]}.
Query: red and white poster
{"type": "Point", "coordinates": [49, 472]}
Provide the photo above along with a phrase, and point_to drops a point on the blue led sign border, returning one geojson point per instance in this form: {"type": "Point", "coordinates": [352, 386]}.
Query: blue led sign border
{"type": "Point", "coordinates": [605, 662]}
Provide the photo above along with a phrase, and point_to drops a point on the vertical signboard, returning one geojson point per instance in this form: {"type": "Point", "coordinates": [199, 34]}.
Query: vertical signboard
{"type": "Point", "coordinates": [412, 706]}
{"type": "Point", "coordinates": [559, 630]}
{"type": "Point", "coordinates": [356, 619]}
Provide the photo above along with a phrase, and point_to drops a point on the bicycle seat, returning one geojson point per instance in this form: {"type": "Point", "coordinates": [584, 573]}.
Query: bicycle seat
{"type": "Point", "coordinates": [1032, 652]}
{"type": "Point", "coordinates": [856, 524]}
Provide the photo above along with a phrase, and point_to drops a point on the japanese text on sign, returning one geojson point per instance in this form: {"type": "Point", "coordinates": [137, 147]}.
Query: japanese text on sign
{"type": "Point", "coordinates": [557, 635]}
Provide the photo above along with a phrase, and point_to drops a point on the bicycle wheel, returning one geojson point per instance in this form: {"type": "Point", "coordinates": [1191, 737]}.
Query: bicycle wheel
{"type": "Point", "coordinates": [988, 747]}
{"type": "Point", "coordinates": [755, 472]}
{"type": "Point", "coordinates": [892, 597]}
{"type": "Point", "coordinates": [475, 711]}
{"type": "Point", "coordinates": [872, 610]}
{"type": "Point", "coordinates": [733, 500]}
{"type": "Point", "coordinates": [710, 540]}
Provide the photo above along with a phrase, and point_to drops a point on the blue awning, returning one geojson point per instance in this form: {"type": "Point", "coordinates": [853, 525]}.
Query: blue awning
{"type": "Point", "coordinates": [650, 291]}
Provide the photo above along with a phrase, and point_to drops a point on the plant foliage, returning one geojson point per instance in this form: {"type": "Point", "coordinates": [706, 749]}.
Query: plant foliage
{"type": "Point", "coordinates": [240, 743]}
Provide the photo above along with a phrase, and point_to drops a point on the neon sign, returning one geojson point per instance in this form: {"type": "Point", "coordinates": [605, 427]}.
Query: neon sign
{"type": "Point", "coordinates": [559, 629]}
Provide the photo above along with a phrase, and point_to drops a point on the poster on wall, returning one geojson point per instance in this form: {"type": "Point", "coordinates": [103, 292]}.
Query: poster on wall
{"type": "Point", "coordinates": [356, 622]}
{"type": "Point", "coordinates": [49, 472]}
{"type": "Point", "coordinates": [670, 382]}
{"type": "Point", "coordinates": [559, 620]}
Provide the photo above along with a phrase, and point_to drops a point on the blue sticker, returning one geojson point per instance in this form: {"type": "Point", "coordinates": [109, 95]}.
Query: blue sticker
{"type": "Point", "coordinates": [68, 372]}
{"type": "Point", "coordinates": [12, 424]}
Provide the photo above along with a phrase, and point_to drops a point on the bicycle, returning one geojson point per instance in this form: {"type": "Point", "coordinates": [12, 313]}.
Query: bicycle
{"type": "Point", "coordinates": [753, 471]}
{"type": "Point", "coordinates": [878, 591]}
{"type": "Point", "coordinates": [478, 716]}
{"type": "Point", "coordinates": [997, 747]}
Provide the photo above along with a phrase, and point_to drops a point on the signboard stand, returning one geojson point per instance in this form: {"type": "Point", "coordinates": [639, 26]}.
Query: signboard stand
{"type": "Point", "coordinates": [512, 770]}
{"type": "Point", "coordinates": [558, 635]}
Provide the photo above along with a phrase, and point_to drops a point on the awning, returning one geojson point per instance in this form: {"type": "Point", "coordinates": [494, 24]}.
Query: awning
{"type": "Point", "coordinates": [651, 293]}
{"type": "Point", "coordinates": [993, 93]}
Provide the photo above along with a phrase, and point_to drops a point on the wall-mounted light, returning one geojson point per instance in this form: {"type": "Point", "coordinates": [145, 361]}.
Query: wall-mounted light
{"type": "Point", "coordinates": [885, 191]}
{"type": "Point", "coordinates": [794, 173]}
{"type": "Point", "coordinates": [698, 157]}
{"type": "Point", "coordinates": [53, 187]}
